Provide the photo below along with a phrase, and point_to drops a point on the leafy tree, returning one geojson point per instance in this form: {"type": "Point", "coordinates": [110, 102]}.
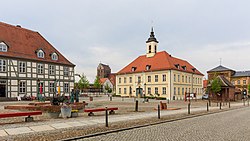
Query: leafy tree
{"type": "Point", "coordinates": [216, 85]}
{"type": "Point", "coordinates": [97, 83]}
{"type": "Point", "coordinates": [83, 82]}
{"type": "Point", "coordinates": [248, 87]}
{"type": "Point", "coordinates": [107, 88]}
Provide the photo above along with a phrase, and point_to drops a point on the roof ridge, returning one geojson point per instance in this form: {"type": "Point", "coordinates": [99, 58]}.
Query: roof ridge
{"type": "Point", "coordinates": [20, 28]}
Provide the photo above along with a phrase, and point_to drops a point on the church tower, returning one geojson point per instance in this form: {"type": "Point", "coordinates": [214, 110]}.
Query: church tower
{"type": "Point", "coordinates": [152, 44]}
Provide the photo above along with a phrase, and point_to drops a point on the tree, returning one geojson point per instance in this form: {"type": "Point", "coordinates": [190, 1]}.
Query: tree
{"type": "Point", "coordinates": [216, 85]}
{"type": "Point", "coordinates": [97, 83]}
{"type": "Point", "coordinates": [248, 87]}
{"type": "Point", "coordinates": [107, 88]}
{"type": "Point", "coordinates": [83, 82]}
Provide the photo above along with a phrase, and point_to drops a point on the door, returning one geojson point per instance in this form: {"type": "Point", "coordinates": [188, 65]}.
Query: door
{"type": "Point", "coordinates": [2, 88]}
{"type": "Point", "coordinates": [138, 92]}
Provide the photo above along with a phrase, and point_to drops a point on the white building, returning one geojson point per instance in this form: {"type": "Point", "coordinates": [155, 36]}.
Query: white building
{"type": "Point", "coordinates": [28, 61]}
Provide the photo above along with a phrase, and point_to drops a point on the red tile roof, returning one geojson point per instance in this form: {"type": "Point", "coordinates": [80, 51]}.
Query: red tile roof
{"type": "Point", "coordinates": [161, 61]}
{"type": "Point", "coordinates": [112, 78]}
{"type": "Point", "coordinates": [23, 43]}
{"type": "Point", "coordinates": [205, 83]}
{"type": "Point", "coordinates": [102, 80]}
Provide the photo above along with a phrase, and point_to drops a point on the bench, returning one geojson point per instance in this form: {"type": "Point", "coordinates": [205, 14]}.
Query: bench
{"type": "Point", "coordinates": [19, 114]}
{"type": "Point", "coordinates": [90, 111]}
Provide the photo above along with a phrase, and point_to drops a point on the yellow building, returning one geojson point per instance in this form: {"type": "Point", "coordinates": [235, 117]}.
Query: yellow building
{"type": "Point", "coordinates": [158, 74]}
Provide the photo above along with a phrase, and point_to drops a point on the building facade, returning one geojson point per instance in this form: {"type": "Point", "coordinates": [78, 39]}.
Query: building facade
{"type": "Point", "coordinates": [29, 65]}
{"type": "Point", "coordinates": [240, 79]}
{"type": "Point", "coordinates": [158, 74]}
{"type": "Point", "coordinates": [103, 71]}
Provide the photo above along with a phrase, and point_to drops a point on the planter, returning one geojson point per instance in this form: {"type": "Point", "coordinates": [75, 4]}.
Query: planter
{"type": "Point", "coordinates": [66, 111]}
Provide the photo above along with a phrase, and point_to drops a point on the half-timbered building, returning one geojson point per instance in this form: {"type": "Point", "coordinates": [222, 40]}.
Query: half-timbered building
{"type": "Point", "coordinates": [29, 64]}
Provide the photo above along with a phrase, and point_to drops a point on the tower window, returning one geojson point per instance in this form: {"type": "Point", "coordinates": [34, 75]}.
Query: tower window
{"type": "Point", "coordinates": [155, 48]}
{"type": "Point", "coordinates": [149, 48]}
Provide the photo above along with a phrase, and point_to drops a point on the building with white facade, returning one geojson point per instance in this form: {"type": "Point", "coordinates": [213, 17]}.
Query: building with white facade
{"type": "Point", "coordinates": [29, 64]}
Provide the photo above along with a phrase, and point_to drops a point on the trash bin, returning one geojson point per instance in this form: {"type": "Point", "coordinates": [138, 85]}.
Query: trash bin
{"type": "Point", "coordinates": [90, 98]}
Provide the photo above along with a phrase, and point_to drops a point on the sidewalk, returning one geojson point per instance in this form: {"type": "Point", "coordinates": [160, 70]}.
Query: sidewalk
{"type": "Point", "coordinates": [76, 122]}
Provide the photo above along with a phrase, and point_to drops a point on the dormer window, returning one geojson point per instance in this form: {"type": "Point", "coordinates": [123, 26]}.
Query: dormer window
{"type": "Point", "coordinates": [177, 66]}
{"type": "Point", "coordinates": [193, 69]}
{"type": "Point", "coordinates": [184, 67]}
{"type": "Point", "coordinates": [54, 56]}
{"type": "Point", "coordinates": [40, 54]}
{"type": "Point", "coordinates": [3, 47]}
{"type": "Point", "coordinates": [148, 67]}
{"type": "Point", "coordinates": [133, 69]}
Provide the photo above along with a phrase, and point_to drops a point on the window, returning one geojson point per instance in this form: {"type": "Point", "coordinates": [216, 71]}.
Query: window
{"type": "Point", "coordinates": [164, 90]}
{"type": "Point", "coordinates": [148, 67]}
{"type": "Point", "coordinates": [155, 48]}
{"type": "Point", "coordinates": [66, 87]}
{"type": "Point", "coordinates": [125, 80]}
{"type": "Point", "coordinates": [156, 78]}
{"type": "Point", "coordinates": [182, 92]}
{"type": "Point", "coordinates": [125, 91]}
{"type": "Point", "coordinates": [51, 87]}
{"type": "Point", "coordinates": [189, 80]}
{"type": "Point", "coordinates": [233, 82]}
{"type": "Point", "coordinates": [179, 91]}
{"type": "Point", "coordinates": [133, 69]}
{"type": "Point", "coordinates": [40, 68]}
{"type": "Point", "coordinates": [186, 79]}
{"type": "Point", "coordinates": [238, 82]}
{"type": "Point", "coordinates": [130, 79]}
{"type": "Point", "coordinates": [178, 78]}
{"type": "Point", "coordinates": [2, 65]}
{"type": "Point", "coordinates": [139, 79]}
{"type": "Point", "coordinates": [174, 78]}
{"type": "Point", "coordinates": [182, 78]}
{"type": "Point", "coordinates": [244, 82]}
{"type": "Point", "coordinates": [156, 90]}
{"type": "Point", "coordinates": [119, 90]}
{"type": "Point", "coordinates": [186, 90]}
{"type": "Point", "coordinates": [149, 90]}
{"type": "Point", "coordinates": [164, 77]}
{"type": "Point", "coordinates": [66, 71]}
{"type": "Point", "coordinates": [51, 70]}
{"type": "Point", "coordinates": [40, 54]}
{"type": "Point", "coordinates": [120, 80]}
{"type": "Point", "coordinates": [149, 78]}
{"type": "Point", "coordinates": [149, 48]}
{"type": "Point", "coordinates": [22, 67]}
{"type": "Point", "coordinates": [41, 87]}
{"type": "Point", "coordinates": [130, 90]}
{"type": "Point", "coordinates": [3, 47]}
{"type": "Point", "coordinates": [54, 56]}
{"type": "Point", "coordinates": [22, 87]}
{"type": "Point", "coordinates": [174, 90]}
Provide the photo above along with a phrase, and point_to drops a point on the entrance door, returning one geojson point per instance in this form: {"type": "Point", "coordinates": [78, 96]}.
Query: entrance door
{"type": "Point", "coordinates": [138, 92]}
{"type": "Point", "coordinates": [3, 89]}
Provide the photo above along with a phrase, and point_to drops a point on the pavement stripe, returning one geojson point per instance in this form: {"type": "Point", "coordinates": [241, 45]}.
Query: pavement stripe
{"type": "Point", "coordinates": [60, 125]}
{"type": "Point", "coordinates": [20, 130]}
{"type": "Point", "coordinates": [3, 133]}
{"type": "Point", "coordinates": [41, 128]}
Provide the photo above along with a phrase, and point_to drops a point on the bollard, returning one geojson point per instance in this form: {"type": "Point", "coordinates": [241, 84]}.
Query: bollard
{"type": "Point", "coordinates": [188, 108]}
{"type": "Point", "coordinates": [110, 98]}
{"type": "Point", "coordinates": [217, 104]}
{"type": "Point", "coordinates": [209, 102]}
{"type": "Point", "coordinates": [136, 105]}
{"type": "Point", "coordinates": [159, 116]}
{"type": "Point", "coordinates": [229, 104]}
{"type": "Point", "coordinates": [220, 105]}
{"type": "Point", "coordinates": [106, 117]}
{"type": "Point", "coordinates": [168, 101]}
{"type": "Point", "coordinates": [207, 106]}
{"type": "Point", "coordinates": [244, 102]}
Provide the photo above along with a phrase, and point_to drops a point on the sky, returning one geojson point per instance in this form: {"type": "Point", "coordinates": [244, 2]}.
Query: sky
{"type": "Point", "coordinates": [114, 32]}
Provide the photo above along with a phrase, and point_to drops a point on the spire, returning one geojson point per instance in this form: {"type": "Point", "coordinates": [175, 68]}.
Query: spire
{"type": "Point", "coordinates": [152, 37]}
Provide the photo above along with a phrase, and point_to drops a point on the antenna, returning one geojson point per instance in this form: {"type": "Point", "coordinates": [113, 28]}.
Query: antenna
{"type": "Point", "coordinates": [220, 61]}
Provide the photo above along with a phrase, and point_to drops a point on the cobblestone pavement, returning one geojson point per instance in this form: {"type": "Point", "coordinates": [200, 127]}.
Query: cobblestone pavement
{"type": "Point", "coordinates": [230, 125]}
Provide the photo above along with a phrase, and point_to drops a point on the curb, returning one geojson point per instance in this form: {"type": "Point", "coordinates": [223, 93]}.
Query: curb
{"type": "Point", "coordinates": [151, 124]}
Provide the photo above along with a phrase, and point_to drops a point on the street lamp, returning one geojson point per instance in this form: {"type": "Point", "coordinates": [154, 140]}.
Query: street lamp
{"type": "Point", "coordinates": [145, 92]}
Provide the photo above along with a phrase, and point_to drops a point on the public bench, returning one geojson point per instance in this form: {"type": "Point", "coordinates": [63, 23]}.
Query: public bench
{"type": "Point", "coordinates": [90, 111]}
{"type": "Point", "coordinates": [19, 114]}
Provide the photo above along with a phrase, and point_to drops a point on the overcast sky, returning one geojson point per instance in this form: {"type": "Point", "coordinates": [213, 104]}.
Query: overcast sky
{"type": "Point", "coordinates": [114, 32]}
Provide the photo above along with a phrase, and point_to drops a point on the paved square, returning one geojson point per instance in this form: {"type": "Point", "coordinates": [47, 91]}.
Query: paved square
{"type": "Point", "coordinates": [42, 128]}
{"type": "Point", "coordinates": [75, 124]}
{"type": "Point", "coordinates": [20, 130]}
{"type": "Point", "coordinates": [3, 133]}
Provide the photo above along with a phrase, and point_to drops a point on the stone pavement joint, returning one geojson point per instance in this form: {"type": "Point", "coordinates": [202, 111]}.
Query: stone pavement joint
{"type": "Point", "coordinates": [40, 128]}
{"type": "Point", "coordinates": [3, 133]}
{"type": "Point", "coordinates": [20, 130]}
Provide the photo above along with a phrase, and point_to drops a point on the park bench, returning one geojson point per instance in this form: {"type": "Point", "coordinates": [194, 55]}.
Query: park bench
{"type": "Point", "coordinates": [90, 111]}
{"type": "Point", "coordinates": [19, 114]}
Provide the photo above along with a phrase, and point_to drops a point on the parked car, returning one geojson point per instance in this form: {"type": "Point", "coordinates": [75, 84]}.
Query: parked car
{"type": "Point", "coordinates": [205, 96]}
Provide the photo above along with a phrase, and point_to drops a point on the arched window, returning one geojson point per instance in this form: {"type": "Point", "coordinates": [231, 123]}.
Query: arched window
{"type": "Point", "coordinates": [54, 56]}
{"type": "Point", "coordinates": [155, 48]}
{"type": "Point", "coordinates": [3, 47]}
{"type": "Point", "coordinates": [149, 49]}
{"type": "Point", "coordinates": [40, 54]}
